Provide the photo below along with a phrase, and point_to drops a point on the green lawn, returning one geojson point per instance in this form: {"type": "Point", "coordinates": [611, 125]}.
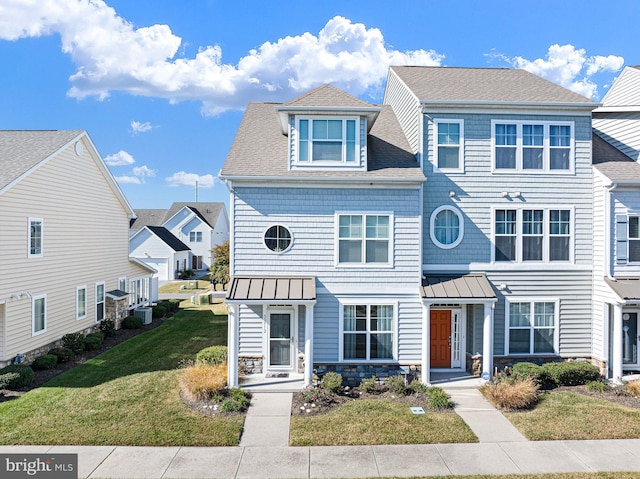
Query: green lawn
{"type": "Point", "coordinates": [565, 415]}
{"type": "Point", "coordinates": [372, 421]}
{"type": "Point", "coordinates": [186, 287]}
{"type": "Point", "coordinates": [127, 395]}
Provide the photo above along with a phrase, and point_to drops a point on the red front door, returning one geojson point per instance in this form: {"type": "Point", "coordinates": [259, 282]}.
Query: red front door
{"type": "Point", "coordinates": [440, 339]}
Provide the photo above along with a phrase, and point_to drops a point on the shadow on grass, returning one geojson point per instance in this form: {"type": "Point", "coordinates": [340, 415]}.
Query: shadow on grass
{"type": "Point", "coordinates": [166, 347]}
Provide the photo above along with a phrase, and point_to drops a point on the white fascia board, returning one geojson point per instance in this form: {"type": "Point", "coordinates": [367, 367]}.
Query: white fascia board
{"type": "Point", "coordinates": [497, 107]}
{"type": "Point", "coordinates": [143, 264]}
{"type": "Point", "coordinates": [371, 112]}
{"type": "Point", "coordinates": [523, 268]}
{"type": "Point", "coordinates": [618, 109]}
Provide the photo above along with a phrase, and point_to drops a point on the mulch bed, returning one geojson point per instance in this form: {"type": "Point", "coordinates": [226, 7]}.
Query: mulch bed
{"type": "Point", "coordinates": [208, 408]}
{"type": "Point", "coordinates": [613, 394]}
{"type": "Point", "coordinates": [43, 376]}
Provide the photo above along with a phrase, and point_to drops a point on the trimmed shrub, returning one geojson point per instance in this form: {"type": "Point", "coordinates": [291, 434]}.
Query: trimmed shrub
{"type": "Point", "coordinates": [93, 341]}
{"type": "Point", "coordinates": [201, 382]}
{"type": "Point", "coordinates": [571, 373]}
{"type": "Point", "coordinates": [368, 385]}
{"type": "Point", "coordinates": [6, 378]}
{"type": "Point", "coordinates": [108, 327]}
{"type": "Point", "coordinates": [417, 386]}
{"type": "Point", "coordinates": [520, 394]}
{"type": "Point", "coordinates": [396, 385]}
{"type": "Point", "coordinates": [173, 305]}
{"type": "Point", "coordinates": [332, 382]}
{"type": "Point", "coordinates": [45, 362]}
{"type": "Point", "coordinates": [74, 342]}
{"type": "Point", "coordinates": [131, 322]}
{"type": "Point", "coordinates": [537, 373]}
{"type": "Point", "coordinates": [159, 311]}
{"type": "Point", "coordinates": [438, 399]}
{"type": "Point", "coordinates": [212, 355]}
{"type": "Point", "coordinates": [24, 377]}
{"type": "Point", "coordinates": [632, 388]}
{"type": "Point", "coordinates": [63, 354]}
{"type": "Point", "coordinates": [597, 386]}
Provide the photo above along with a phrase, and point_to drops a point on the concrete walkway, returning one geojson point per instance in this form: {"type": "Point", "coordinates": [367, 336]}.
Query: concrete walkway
{"type": "Point", "coordinates": [267, 421]}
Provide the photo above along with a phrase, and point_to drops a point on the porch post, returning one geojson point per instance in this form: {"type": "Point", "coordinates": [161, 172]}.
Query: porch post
{"type": "Point", "coordinates": [308, 344]}
{"type": "Point", "coordinates": [487, 342]}
{"type": "Point", "coordinates": [425, 375]}
{"type": "Point", "coordinates": [232, 346]}
{"type": "Point", "coordinates": [616, 353]}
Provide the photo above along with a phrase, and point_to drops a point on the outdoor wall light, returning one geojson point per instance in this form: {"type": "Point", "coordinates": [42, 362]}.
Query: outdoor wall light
{"type": "Point", "coordinates": [452, 194]}
{"type": "Point", "coordinates": [505, 194]}
{"type": "Point", "coordinates": [502, 286]}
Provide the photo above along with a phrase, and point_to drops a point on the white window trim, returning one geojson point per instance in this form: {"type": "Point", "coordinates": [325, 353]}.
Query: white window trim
{"type": "Point", "coordinates": [195, 237]}
{"type": "Point", "coordinates": [363, 264]}
{"type": "Point", "coordinates": [546, 148]}
{"type": "Point", "coordinates": [35, 255]}
{"type": "Point", "coordinates": [556, 324]}
{"type": "Point", "coordinates": [368, 301]}
{"type": "Point", "coordinates": [78, 289]}
{"type": "Point", "coordinates": [436, 168]}
{"type": "Point", "coordinates": [629, 238]}
{"type": "Point", "coordinates": [264, 243]}
{"type": "Point", "coordinates": [104, 297]}
{"type": "Point", "coordinates": [33, 315]}
{"type": "Point", "coordinates": [458, 213]}
{"type": "Point", "coordinates": [358, 164]}
{"type": "Point", "coordinates": [546, 236]}
{"type": "Point", "coordinates": [120, 280]}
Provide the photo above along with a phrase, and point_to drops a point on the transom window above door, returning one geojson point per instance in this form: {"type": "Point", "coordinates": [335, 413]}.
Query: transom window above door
{"type": "Point", "coordinates": [328, 141]}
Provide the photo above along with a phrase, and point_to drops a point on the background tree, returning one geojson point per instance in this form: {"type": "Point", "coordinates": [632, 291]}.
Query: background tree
{"type": "Point", "coordinates": [220, 263]}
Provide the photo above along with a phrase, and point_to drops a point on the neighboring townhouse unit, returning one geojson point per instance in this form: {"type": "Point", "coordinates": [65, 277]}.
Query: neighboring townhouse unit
{"type": "Point", "coordinates": [180, 238]}
{"type": "Point", "coordinates": [343, 258]}
{"type": "Point", "coordinates": [616, 232]}
{"type": "Point", "coordinates": [63, 242]}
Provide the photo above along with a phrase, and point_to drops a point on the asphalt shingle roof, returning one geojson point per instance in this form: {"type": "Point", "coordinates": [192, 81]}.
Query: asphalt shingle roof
{"type": "Point", "coordinates": [327, 95]}
{"type": "Point", "coordinates": [165, 235]}
{"type": "Point", "coordinates": [206, 211]}
{"type": "Point", "coordinates": [491, 85]}
{"type": "Point", "coordinates": [21, 150]}
{"type": "Point", "coordinates": [611, 162]}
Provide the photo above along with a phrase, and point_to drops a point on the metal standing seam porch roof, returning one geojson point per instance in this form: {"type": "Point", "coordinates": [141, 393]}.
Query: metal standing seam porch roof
{"type": "Point", "coordinates": [467, 286]}
{"type": "Point", "coordinates": [270, 288]}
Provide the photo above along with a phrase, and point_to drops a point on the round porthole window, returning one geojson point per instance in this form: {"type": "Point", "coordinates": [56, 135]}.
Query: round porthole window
{"type": "Point", "coordinates": [277, 238]}
{"type": "Point", "coordinates": [447, 227]}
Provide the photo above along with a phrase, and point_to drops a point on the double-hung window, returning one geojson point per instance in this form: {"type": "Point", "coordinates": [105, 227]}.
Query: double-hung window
{"type": "Point", "coordinates": [364, 239]}
{"type": "Point", "coordinates": [536, 234]}
{"type": "Point", "coordinates": [634, 239]}
{"type": "Point", "coordinates": [532, 326]}
{"type": "Point", "coordinates": [368, 331]}
{"type": "Point", "coordinates": [195, 236]}
{"type": "Point", "coordinates": [449, 140]}
{"type": "Point", "coordinates": [99, 301]}
{"type": "Point", "coordinates": [533, 147]}
{"type": "Point", "coordinates": [328, 140]}
{"type": "Point", "coordinates": [35, 237]}
{"type": "Point", "coordinates": [81, 302]}
{"type": "Point", "coordinates": [39, 314]}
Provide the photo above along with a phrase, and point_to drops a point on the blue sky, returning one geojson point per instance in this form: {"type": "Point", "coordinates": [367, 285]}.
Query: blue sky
{"type": "Point", "coordinates": [160, 84]}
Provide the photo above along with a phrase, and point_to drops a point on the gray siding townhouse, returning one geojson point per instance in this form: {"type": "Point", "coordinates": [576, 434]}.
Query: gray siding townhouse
{"type": "Point", "coordinates": [448, 229]}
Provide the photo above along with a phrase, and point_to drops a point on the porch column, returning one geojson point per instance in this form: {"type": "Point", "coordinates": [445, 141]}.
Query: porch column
{"type": "Point", "coordinates": [487, 342]}
{"type": "Point", "coordinates": [616, 353]}
{"type": "Point", "coordinates": [308, 344]}
{"type": "Point", "coordinates": [232, 346]}
{"type": "Point", "coordinates": [425, 375]}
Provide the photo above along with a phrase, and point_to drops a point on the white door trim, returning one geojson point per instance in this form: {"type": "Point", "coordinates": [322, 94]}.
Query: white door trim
{"type": "Point", "coordinates": [294, 343]}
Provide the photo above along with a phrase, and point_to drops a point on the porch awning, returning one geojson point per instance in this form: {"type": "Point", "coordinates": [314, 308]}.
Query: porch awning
{"type": "Point", "coordinates": [269, 288]}
{"type": "Point", "coordinates": [467, 286]}
{"type": "Point", "coordinates": [117, 294]}
{"type": "Point", "coordinates": [627, 289]}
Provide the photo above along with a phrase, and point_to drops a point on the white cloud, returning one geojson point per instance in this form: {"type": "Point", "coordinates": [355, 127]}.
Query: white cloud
{"type": "Point", "coordinates": [112, 54]}
{"type": "Point", "coordinates": [137, 127]}
{"type": "Point", "coordinates": [119, 159]}
{"type": "Point", "coordinates": [182, 178]}
{"type": "Point", "coordinates": [568, 66]}
{"type": "Point", "coordinates": [144, 170]}
{"type": "Point", "coordinates": [127, 179]}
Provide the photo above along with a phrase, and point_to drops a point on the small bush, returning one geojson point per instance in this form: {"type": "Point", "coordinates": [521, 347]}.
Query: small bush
{"type": "Point", "coordinates": [438, 399]}
{"type": "Point", "coordinates": [63, 354]}
{"type": "Point", "coordinates": [521, 394]}
{"type": "Point", "coordinates": [7, 378]}
{"type": "Point", "coordinates": [45, 362]}
{"type": "Point", "coordinates": [173, 305]}
{"type": "Point", "coordinates": [212, 355]}
{"type": "Point", "coordinates": [108, 328]}
{"type": "Point", "coordinates": [417, 386]}
{"type": "Point", "coordinates": [368, 385]}
{"type": "Point", "coordinates": [597, 386]}
{"type": "Point", "coordinates": [74, 342]}
{"type": "Point", "coordinates": [571, 373]}
{"type": "Point", "coordinates": [131, 322]}
{"type": "Point", "coordinates": [93, 341]}
{"type": "Point", "coordinates": [310, 394]}
{"type": "Point", "coordinates": [396, 385]}
{"type": "Point", "coordinates": [24, 378]}
{"type": "Point", "coordinates": [201, 382]}
{"type": "Point", "coordinates": [159, 311]}
{"type": "Point", "coordinates": [332, 382]}
{"type": "Point", "coordinates": [632, 388]}
{"type": "Point", "coordinates": [236, 401]}
{"type": "Point", "coordinates": [537, 373]}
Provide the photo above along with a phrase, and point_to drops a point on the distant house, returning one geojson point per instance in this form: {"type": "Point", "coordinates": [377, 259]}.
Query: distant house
{"type": "Point", "coordinates": [63, 242]}
{"type": "Point", "coordinates": [180, 238]}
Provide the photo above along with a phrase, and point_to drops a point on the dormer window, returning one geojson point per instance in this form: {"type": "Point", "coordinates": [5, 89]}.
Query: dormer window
{"type": "Point", "coordinates": [328, 140]}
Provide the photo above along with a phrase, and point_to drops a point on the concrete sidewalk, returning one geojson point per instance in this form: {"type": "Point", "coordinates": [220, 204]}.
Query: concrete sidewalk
{"type": "Point", "coordinates": [349, 461]}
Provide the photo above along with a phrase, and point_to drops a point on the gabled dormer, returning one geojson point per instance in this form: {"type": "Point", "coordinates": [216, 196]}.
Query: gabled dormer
{"type": "Point", "coordinates": [327, 129]}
